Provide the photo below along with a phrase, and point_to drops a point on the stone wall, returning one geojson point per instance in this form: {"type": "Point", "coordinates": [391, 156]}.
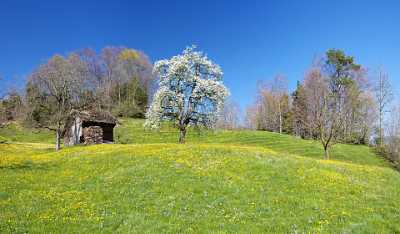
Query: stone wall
{"type": "Point", "coordinates": [93, 135]}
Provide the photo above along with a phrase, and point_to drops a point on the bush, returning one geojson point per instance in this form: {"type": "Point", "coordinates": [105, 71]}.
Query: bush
{"type": "Point", "coordinates": [129, 110]}
{"type": "Point", "coordinates": [393, 156]}
{"type": "Point", "coordinates": [3, 140]}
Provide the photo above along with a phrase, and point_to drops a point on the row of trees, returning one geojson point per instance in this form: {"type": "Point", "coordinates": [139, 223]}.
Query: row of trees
{"type": "Point", "coordinates": [391, 145]}
{"type": "Point", "coordinates": [337, 101]}
{"type": "Point", "coordinates": [11, 107]}
{"type": "Point", "coordinates": [117, 79]}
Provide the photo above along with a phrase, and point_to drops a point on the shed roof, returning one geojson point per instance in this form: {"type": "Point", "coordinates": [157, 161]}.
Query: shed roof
{"type": "Point", "coordinates": [88, 116]}
{"type": "Point", "coordinates": [94, 116]}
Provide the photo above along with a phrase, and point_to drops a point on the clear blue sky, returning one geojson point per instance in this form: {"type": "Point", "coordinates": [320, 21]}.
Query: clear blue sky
{"type": "Point", "coordinates": [251, 40]}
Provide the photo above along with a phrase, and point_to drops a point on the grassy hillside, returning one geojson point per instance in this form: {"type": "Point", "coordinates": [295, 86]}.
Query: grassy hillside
{"type": "Point", "coordinates": [225, 182]}
{"type": "Point", "coordinates": [14, 132]}
{"type": "Point", "coordinates": [131, 131]}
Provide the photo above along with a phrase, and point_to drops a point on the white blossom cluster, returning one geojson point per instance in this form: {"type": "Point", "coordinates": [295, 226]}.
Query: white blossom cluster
{"type": "Point", "coordinates": [190, 91]}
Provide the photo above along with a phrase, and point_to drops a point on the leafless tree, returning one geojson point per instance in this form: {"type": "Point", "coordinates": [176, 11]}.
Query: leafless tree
{"type": "Point", "coordinates": [2, 112]}
{"type": "Point", "coordinates": [272, 104]}
{"type": "Point", "coordinates": [229, 116]}
{"type": "Point", "coordinates": [366, 117]}
{"type": "Point", "coordinates": [119, 78]}
{"type": "Point", "coordinates": [384, 95]}
{"type": "Point", "coordinates": [95, 80]}
{"type": "Point", "coordinates": [339, 72]}
{"type": "Point", "coordinates": [322, 116]}
{"type": "Point", "coordinates": [250, 120]}
{"type": "Point", "coordinates": [313, 91]}
{"type": "Point", "coordinates": [60, 79]}
{"type": "Point", "coordinates": [391, 150]}
{"type": "Point", "coordinates": [280, 94]}
{"type": "Point", "coordinates": [110, 57]}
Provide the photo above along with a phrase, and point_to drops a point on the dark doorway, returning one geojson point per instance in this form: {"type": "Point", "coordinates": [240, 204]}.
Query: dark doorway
{"type": "Point", "coordinates": [108, 129]}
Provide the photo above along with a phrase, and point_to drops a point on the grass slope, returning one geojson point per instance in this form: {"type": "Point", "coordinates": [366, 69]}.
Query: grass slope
{"type": "Point", "coordinates": [131, 131]}
{"type": "Point", "coordinates": [219, 182]}
{"type": "Point", "coordinates": [14, 132]}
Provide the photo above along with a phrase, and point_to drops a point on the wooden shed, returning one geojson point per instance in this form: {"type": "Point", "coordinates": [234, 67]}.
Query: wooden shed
{"type": "Point", "coordinates": [89, 127]}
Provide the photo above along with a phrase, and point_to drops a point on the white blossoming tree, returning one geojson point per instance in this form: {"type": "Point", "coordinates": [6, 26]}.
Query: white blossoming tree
{"type": "Point", "coordinates": [190, 92]}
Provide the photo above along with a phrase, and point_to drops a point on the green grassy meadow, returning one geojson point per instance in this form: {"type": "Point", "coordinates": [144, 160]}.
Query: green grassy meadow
{"type": "Point", "coordinates": [17, 133]}
{"type": "Point", "coordinates": [218, 182]}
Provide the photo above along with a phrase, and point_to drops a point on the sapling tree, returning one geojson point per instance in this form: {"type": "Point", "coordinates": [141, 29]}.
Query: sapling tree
{"type": "Point", "coordinates": [229, 116]}
{"type": "Point", "coordinates": [384, 96]}
{"type": "Point", "coordinates": [190, 92]}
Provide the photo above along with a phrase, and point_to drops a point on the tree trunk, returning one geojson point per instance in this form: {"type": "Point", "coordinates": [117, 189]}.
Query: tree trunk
{"type": "Point", "coordinates": [326, 149]}
{"type": "Point", "coordinates": [182, 135]}
{"type": "Point", "coordinates": [119, 95]}
{"type": "Point", "coordinates": [380, 130]}
{"type": "Point", "coordinates": [280, 117]}
{"type": "Point", "coordinates": [58, 138]}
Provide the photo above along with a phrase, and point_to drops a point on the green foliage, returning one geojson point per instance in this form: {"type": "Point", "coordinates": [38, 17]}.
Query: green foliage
{"type": "Point", "coordinates": [11, 107]}
{"type": "Point", "coordinates": [3, 140]}
{"type": "Point", "coordinates": [340, 68]}
{"type": "Point", "coordinates": [341, 61]}
{"type": "Point", "coordinates": [127, 109]}
{"type": "Point", "coordinates": [39, 115]}
{"type": "Point", "coordinates": [298, 113]}
{"type": "Point", "coordinates": [39, 106]}
{"type": "Point", "coordinates": [129, 54]}
{"type": "Point", "coordinates": [134, 100]}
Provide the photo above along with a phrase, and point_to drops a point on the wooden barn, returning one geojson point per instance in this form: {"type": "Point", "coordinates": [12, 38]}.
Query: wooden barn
{"type": "Point", "coordinates": [89, 127]}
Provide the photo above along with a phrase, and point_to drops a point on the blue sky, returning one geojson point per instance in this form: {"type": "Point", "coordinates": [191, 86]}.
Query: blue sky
{"type": "Point", "coordinates": [251, 40]}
